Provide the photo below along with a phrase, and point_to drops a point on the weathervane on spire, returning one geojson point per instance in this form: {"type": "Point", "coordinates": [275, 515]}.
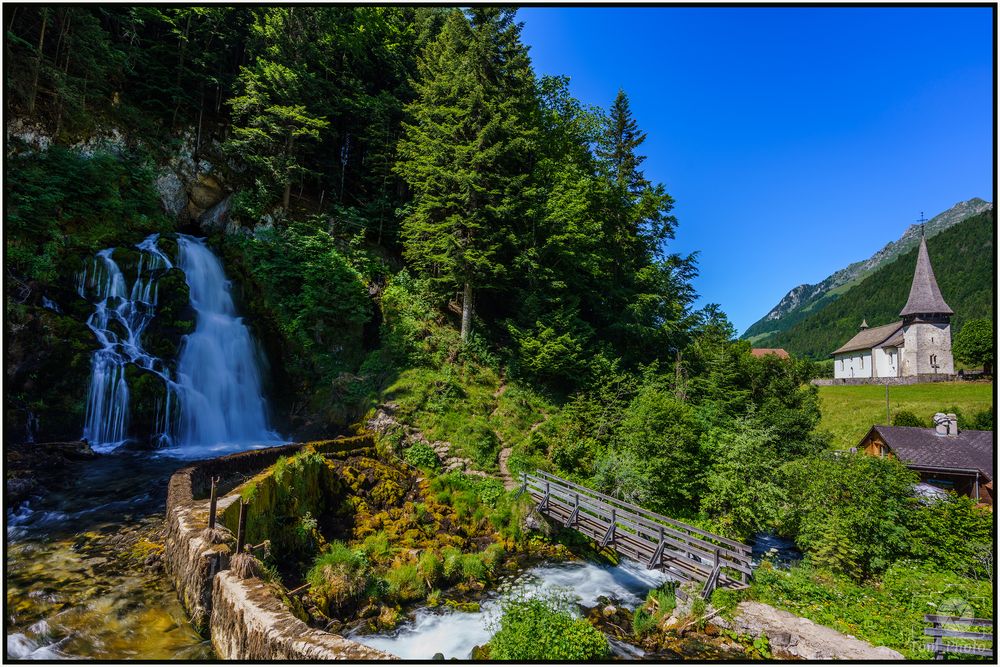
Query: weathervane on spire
{"type": "Point", "coordinates": [922, 220]}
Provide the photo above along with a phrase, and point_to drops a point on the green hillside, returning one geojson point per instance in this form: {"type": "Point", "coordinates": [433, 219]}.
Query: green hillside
{"type": "Point", "coordinates": [962, 257]}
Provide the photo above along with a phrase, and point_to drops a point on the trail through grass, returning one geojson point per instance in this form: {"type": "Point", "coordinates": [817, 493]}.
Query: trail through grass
{"type": "Point", "coordinates": [849, 411]}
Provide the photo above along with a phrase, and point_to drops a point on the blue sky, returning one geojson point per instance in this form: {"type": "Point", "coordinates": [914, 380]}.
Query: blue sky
{"type": "Point", "coordinates": [794, 140]}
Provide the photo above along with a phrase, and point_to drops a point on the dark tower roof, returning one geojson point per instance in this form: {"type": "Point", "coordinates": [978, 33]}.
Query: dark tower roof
{"type": "Point", "coordinates": [925, 297]}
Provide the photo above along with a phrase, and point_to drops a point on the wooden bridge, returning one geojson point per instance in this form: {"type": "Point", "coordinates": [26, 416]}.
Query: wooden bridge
{"type": "Point", "coordinates": [684, 552]}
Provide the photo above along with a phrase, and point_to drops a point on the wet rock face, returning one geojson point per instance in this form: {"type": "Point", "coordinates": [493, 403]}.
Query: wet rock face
{"type": "Point", "coordinates": [47, 370]}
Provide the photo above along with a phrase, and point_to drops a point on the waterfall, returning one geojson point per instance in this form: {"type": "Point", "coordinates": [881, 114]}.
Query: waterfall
{"type": "Point", "coordinates": [216, 400]}
{"type": "Point", "coordinates": [221, 399]}
{"type": "Point", "coordinates": [115, 313]}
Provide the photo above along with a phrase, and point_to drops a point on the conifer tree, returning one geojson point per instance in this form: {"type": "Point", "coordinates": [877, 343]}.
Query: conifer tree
{"type": "Point", "coordinates": [466, 149]}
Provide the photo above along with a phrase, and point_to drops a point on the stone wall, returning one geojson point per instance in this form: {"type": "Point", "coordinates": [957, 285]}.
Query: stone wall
{"type": "Point", "coordinates": [250, 623]}
{"type": "Point", "coordinates": [913, 379]}
{"type": "Point", "coordinates": [245, 620]}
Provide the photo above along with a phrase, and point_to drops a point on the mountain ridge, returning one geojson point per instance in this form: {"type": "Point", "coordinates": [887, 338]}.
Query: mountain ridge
{"type": "Point", "coordinates": [806, 298]}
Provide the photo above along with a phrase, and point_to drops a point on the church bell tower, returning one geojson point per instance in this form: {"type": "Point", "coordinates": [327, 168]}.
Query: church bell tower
{"type": "Point", "coordinates": [926, 323]}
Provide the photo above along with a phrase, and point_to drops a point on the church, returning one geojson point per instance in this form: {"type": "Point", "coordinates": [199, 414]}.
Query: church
{"type": "Point", "coordinates": [918, 345]}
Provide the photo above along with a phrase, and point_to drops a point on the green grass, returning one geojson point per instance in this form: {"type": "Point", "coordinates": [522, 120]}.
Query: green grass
{"type": "Point", "coordinates": [462, 404]}
{"type": "Point", "coordinates": [849, 411]}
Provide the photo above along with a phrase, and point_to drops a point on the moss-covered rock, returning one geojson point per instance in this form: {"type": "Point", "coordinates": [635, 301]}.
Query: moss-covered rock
{"type": "Point", "coordinates": [147, 402]}
{"type": "Point", "coordinates": [174, 318]}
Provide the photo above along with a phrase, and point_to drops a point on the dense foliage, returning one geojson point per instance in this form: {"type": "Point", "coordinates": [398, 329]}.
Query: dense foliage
{"type": "Point", "coordinates": [544, 628]}
{"type": "Point", "coordinates": [974, 344]}
{"type": "Point", "coordinates": [961, 256]}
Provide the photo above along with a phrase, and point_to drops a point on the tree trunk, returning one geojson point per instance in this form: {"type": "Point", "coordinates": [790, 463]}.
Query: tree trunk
{"type": "Point", "coordinates": [466, 312]}
{"type": "Point", "coordinates": [38, 61]}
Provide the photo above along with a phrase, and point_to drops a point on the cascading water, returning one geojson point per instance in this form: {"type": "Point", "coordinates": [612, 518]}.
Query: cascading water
{"type": "Point", "coordinates": [220, 397]}
{"type": "Point", "coordinates": [215, 402]}
{"type": "Point", "coordinates": [117, 313]}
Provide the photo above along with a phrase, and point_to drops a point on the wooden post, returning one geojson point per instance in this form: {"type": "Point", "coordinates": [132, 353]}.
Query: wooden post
{"type": "Point", "coordinates": [938, 643]}
{"type": "Point", "coordinates": [213, 499]}
{"type": "Point", "coordinates": [241, 532]}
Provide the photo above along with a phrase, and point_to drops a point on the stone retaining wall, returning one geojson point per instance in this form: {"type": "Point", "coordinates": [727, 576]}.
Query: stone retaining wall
{"type": "Point", "coordinates": [249, 623]}
{"type": "Point", "coordinates": [245, 622]}
{"type": "Point", "coordinates": [910, 379]}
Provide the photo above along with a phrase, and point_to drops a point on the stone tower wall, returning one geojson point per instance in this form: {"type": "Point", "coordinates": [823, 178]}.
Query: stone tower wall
{"type": "Point", "coordinates": [923, 339]}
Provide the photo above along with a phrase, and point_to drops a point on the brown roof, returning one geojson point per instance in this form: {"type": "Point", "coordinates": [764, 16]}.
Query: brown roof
{"type": "Point", "coordinates": [776, 351]}
{"type": "Point", "coordinates": [969, 450]}
{"type": "Point", "coordinates": [869, 338]}
{"type": "Point", "coordinates": [925, 297]}
{"type": "Point", "coordinates": [895, 341]}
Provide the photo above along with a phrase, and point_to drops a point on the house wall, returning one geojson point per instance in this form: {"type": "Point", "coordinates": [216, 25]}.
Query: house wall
{"type": "Point", "coordinates": [857, 364]}
{"type": "Point", "coordinates": [923, 339]}
{"type": "Point", "coordinates": [886, 362]}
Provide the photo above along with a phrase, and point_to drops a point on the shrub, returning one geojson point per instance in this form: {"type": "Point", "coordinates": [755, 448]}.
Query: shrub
{"type": "Point", "coordinates": [953, 534]}
{"type": "Point", "coordinates": [422, 456]}
{"type": "Point", "coordinates": [405, 582]}
{"type": "Point", "coordinates": [474, 568]}
{"type": "Point", "coordinates": [431, 567]}
{"type": "Point", "coordinates": [536, 629]}
{"type": "Point", "coordinates": [338, 576]}
{"type": "Point", "coordinates": [983, 420]}
{"type": "Point", "coordinates": [378, 547]}
{"type": "Point", "coordinates": [907, 418]}
{"type": "Point", "coordinates": [452, 562]}
{"type": "Point", "coordinates": [642, 622]}
{"type": "Point", "coordinates": [493, 556]}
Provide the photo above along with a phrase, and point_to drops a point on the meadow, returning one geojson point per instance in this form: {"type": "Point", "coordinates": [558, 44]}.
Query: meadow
{"type": "Point", "coordinates": [849, 411]}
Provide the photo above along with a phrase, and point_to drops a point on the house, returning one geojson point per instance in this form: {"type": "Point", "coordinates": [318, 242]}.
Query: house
{"type": "Point", "coordinates": [917, 345]}
{"type": "Point", "coordinates": [942, 456]}
{"type": "Point", "coordinates": [764, 351]}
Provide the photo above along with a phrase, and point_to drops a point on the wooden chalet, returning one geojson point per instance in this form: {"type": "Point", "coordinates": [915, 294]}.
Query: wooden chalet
{"type": "Point", "coordinates": [943, 457]}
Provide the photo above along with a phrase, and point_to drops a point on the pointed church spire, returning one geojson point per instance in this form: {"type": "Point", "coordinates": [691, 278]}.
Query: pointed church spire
{"type": "Point", "coordinates": [925, 297]}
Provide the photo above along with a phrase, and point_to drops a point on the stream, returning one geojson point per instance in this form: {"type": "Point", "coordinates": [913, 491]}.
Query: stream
{"type": "Point", "coordinates": [69, 593]}
{"type": "Point", "coordinates": [454, 633]}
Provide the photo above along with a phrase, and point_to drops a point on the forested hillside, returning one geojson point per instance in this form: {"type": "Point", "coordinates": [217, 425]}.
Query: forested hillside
{"type": "Point", "coordinates": [962, 257]}
{"type": "Point", "coordinates": [432, 241]}
{"type": "Point", "coordinates": [803, 300]}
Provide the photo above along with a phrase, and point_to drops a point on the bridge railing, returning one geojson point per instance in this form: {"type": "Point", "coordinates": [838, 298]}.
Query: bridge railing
{"type": "Point", "coordinates": [687, 550]}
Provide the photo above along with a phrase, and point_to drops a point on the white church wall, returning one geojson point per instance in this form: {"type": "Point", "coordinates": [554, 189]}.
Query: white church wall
{"type": "Point", "coordinates": [886, 362]}
{"type": "Point", "coordinates": [857, 364]}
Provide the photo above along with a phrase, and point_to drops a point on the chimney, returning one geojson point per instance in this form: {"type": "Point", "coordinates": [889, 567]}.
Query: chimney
{"type": "Point", "coordinates": [952, 423]}
{"type": "Point", "coordinates": [864, 324]}
{"type": "Point", "coordinates": [941, 423]}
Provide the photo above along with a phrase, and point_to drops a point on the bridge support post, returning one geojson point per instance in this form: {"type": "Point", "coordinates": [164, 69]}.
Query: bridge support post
{"type": "Point", "coordinates": [524, 484]}
{"type": "Point", "coordinates": [657, 558]}
{"type": "Point", "coordinates": [574, 516]}
{"type": "Point", "coordinates": [543, 506]}
{"type": "Point", "coordinates": [609, 536]}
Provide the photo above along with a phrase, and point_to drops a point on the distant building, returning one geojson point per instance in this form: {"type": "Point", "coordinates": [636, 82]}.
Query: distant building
{"type": "Point", "coordinates": [942, 456]}
{"type": "Point", "coordinates": [919, 344]}
{"type": "Point", "coordinates": [764, 351]}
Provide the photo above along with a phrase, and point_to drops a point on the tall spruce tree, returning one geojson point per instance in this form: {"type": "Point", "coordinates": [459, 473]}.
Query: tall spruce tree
{"type": "Point", "coordinates": [466, 151]}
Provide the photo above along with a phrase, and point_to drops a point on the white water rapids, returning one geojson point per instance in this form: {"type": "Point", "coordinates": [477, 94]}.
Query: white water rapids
{"type": "Point", "coordinates": [455, 633]}
{"type": "Point", "coordinates": [215, 403]}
